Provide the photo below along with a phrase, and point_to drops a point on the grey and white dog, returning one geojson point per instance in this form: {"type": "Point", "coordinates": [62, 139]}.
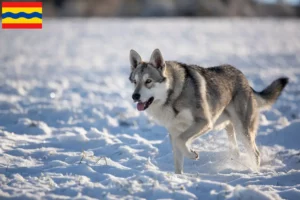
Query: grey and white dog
{"type": "Point", "coordinates": [190, 100]}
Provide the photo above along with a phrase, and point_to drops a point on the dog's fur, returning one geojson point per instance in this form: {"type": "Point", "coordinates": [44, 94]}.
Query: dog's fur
{"type": "Point", "coordinates": [190, 100]}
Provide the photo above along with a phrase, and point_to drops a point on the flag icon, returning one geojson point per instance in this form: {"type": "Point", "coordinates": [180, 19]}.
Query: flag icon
{"type": "Point", "coordinates": [22, 15]}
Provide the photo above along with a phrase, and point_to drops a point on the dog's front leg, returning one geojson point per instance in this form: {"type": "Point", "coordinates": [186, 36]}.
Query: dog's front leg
{"type": "Point", "coordinates": [199, 127]}
{"type": "Point", "coordinates": [177, 156]}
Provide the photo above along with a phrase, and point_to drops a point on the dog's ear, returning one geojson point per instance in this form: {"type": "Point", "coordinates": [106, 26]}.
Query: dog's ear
{"type": "Point", "coordinates": [157, 59]}
{"type": "Point", "coordinates": [135, 59]}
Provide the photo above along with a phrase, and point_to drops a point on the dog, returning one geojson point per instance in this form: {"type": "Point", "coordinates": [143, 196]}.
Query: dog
{"type": "Point", "coordinates": [190, 101]}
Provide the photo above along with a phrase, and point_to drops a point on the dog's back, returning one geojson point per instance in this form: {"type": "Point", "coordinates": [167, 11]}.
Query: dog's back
{"type": "Point", "coordinates": [216, 85]}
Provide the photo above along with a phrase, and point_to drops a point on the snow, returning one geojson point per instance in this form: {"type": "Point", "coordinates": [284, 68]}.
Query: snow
{"type": "Point", "coordinates": [69, 129]}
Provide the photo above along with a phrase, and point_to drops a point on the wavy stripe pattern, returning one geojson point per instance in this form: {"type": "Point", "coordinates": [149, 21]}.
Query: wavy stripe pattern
{"type": "Point", "coordinates": [26, 10]}
{"type": "Point", "coordinates": [22, 20]}
{"type": "Point", "coordinates": [22, 14]}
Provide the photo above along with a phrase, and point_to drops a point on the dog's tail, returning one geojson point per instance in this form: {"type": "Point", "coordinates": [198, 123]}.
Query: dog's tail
{"type": "Point", "coordinates": [270, 94]}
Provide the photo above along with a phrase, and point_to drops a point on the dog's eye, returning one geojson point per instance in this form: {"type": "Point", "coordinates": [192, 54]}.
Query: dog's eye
{"type": "Point", "coordinates": [134, 82]}
{"type": "Point", "coordinates": [148, 81]}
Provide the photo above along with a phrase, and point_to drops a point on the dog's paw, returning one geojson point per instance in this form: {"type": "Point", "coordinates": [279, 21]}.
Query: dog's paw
{"type": "Point", "coordinates": [177, 171]}
{"type": "Point", "coordinates": [195, 155]}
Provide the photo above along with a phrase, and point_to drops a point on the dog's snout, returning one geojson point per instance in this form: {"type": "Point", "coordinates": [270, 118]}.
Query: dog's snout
{"type": "Point", "coordinates": [136, 96]}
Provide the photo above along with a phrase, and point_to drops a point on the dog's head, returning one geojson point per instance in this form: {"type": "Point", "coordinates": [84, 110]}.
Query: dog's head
{"type": "Point", "coordinates": [148, 78]}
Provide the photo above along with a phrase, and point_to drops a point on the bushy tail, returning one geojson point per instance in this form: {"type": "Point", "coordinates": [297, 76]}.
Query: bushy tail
{"type": "Point", "coordinates": [270, 94]}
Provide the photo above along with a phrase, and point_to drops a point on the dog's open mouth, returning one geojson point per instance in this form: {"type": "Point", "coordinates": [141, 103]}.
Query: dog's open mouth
{"type": "Point", "coordinates": [144, 105]}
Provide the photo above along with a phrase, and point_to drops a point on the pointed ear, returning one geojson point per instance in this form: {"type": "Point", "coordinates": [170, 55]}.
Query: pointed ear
{"type": "Point", "coordinates": [157, 59]}
{"type": "Point", "coordinates": [135, 59]}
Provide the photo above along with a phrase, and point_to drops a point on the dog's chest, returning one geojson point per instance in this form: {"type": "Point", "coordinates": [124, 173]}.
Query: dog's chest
{"type": "Point", "coordinates": [165, 116]}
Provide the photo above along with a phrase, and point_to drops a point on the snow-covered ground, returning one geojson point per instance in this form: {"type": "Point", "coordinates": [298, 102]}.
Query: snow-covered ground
{"type": "Point", "coordinates": [69, 129]}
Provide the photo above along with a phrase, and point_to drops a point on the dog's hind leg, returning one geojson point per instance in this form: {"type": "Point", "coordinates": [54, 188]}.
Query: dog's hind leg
{"type": "Point", "coordinates": [252, 149]}
{"type": "Point", "coordinates": [251, 125]}
{"type": "Point", "coordinates": [248, 140]}
{"type": "Point", "coordinates": [244, 117]}
{"type": "Point", "coordinates": [250, 143]}
{"type": "Point", "coordinates": [232, 139]}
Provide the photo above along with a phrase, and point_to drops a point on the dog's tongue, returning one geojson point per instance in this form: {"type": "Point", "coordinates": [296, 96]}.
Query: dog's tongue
{"type": "Point", "coordinates": [140, 106]}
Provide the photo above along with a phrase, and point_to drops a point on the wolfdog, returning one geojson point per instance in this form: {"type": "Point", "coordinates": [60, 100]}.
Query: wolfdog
{"type": "Point", "coordinates": [190, 100]}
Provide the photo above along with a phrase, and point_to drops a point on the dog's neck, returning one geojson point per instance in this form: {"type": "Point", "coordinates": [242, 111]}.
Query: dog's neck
{"type": "Point", "coordinates": [172, 82]}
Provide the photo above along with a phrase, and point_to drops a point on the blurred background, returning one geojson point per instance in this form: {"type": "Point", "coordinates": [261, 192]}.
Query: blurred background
{"type": "Point", "coordinates": [170, 8]}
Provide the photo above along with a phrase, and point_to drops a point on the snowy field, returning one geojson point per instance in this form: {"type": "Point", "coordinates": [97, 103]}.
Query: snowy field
{"type": "Point", "coordinates": [69, 128]}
